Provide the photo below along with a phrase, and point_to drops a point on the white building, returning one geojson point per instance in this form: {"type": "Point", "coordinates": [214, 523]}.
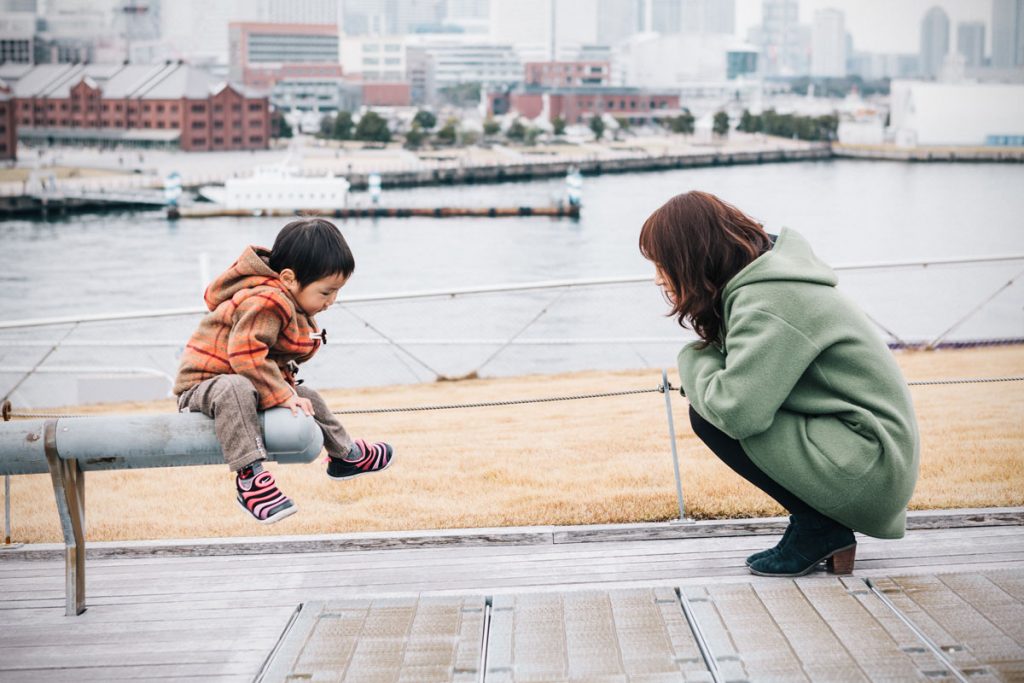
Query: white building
{"type": "Point", "coordinates": [439, 64]}
{"type": "Point", "coordinates": [828, 44]}
{"type": "Point", "coordinates": [651, 60]}
{"type": "Point", "coordinates": [374, 58]}
{"type": "Point", "coordinates": [926, 114]}
{"type": "Point", "coordinates": [1007, 33]}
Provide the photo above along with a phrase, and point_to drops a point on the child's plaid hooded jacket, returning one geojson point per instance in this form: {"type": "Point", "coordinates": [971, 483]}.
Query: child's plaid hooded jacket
{"type": "Point", "coordinates": [254, 329]}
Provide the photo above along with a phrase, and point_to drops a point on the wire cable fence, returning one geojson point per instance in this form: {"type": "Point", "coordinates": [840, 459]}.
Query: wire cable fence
{"type": "Point", "coordinates": [540, 327]}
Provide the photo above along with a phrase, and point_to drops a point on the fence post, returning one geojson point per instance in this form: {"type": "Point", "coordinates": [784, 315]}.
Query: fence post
{"type": "Point", "coordinates": [665, 389]}
{"type": "Point", "coordinates": [6, 411]}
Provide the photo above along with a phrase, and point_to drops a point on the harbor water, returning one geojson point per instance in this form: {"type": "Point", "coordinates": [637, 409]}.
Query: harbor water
{"type": "Point", "coordinates": [853, 212]}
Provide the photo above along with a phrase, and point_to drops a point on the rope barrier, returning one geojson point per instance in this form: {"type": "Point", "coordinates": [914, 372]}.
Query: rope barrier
{"type": "Point", "coordinates": [660, 389]}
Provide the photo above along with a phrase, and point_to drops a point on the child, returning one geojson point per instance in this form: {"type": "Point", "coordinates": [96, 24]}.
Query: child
{"type": "Point", "coordinates": [246, 351]}
{"type": "Point", "coordinates": [790, 385]}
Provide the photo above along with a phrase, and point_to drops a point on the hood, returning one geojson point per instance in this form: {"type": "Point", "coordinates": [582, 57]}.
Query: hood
{"type": "Point", "coordinates": [790, 260]}
{"type": "Point", "coordinates": [250, 270]}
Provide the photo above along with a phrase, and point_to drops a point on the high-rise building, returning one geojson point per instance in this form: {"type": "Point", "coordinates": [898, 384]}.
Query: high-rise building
{"type": "Point", "coordinates": [468, 16]}
{"type": "Point", "coordinates": [7, 6]}
{"type": "Point", "coordinates": [618, 20]}
{"type": "Point", "coordinates": [934, 41]}
{"type": "Point", "coordinates": [1007, 33]}
{"type": "Point", "coordinates": [783, 46]}
{"type": "Point", "coordinates": [970, 42]}
{"type": "Point", "coordinates": [390, 17]}
{"type": "Point", "coordinates": [298, 11]}
{"type": "Point", "coordinates": [708, 16]}
{"type": "Point", "coordinates": [667, 16]}
{"type": "Point", "coordinates": [828, 44]}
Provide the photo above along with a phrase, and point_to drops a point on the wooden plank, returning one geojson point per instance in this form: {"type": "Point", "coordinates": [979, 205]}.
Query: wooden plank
{"type": "Point", "coordinates": [543, 535]}
{"type": "Point", "coordinates": [870, 551]}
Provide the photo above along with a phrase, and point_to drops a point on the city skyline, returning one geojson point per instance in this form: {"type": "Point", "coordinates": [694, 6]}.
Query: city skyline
{"type": "Point", "coordinates": [881, 26]}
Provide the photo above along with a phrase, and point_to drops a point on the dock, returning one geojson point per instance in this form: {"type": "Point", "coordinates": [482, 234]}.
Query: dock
{"type": "Point", "coordinates": [212, 211]}
{"type": "Point", "coordinates": [617, 603]}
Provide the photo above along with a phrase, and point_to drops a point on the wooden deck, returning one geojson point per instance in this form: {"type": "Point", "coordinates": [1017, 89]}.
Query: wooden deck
{"type": "Point", "coordinates": [942, 604]}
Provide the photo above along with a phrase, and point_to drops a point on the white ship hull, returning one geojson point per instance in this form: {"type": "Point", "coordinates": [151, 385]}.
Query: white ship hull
{"type": "Point", "coordinates": [280, 188]}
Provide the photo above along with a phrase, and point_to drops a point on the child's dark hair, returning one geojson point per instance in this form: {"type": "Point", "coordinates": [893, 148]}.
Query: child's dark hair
{"type": "Point", "coordinates": [313, 249]}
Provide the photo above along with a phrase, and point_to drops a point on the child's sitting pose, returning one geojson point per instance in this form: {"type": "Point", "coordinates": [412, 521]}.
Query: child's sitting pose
{"type": "Point", "coordinates": [244, 355]}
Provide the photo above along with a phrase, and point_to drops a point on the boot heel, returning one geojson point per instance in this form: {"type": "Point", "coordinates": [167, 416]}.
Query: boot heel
{"type": "Point", "coordinates": [841, 561]}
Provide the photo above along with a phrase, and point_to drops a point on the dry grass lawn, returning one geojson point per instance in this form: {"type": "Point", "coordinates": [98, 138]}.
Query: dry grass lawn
{"type": "Point", "coordinates": [580, 462]}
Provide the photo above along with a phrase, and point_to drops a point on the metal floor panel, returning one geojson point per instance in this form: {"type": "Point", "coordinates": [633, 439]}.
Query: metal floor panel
{"type": "Point", "coordinates": [936, 628]}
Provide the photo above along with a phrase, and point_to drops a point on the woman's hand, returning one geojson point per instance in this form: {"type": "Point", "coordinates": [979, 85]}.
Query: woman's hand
{"type": "Point", "coordinates": [296, 402]}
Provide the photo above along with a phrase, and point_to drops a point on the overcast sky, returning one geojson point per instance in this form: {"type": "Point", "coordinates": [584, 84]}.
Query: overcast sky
{"type": "Point", "coordinates": [881, 25]}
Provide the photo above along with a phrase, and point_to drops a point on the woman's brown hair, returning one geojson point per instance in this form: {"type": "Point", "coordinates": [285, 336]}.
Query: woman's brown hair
{"type": "Point", "coordinates": [700, 242]}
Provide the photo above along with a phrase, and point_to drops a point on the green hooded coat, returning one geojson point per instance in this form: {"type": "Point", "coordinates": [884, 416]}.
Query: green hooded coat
{"type": "Point", "coordinates": [807, 386]}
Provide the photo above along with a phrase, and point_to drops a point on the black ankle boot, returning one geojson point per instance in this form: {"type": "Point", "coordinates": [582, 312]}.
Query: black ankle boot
{"type": "Point", "coordinates": [771, 551]}
{"type": "Point", "coordinates": [813, 539]}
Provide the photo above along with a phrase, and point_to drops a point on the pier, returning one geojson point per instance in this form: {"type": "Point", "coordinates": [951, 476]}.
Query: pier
{"type": "Point", "coordinates": [212, 211]}
{"type": "Point", "coordinates": [625, 603]}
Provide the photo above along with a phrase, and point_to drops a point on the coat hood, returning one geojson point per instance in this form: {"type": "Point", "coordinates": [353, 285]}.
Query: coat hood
{"type": "Point", "coordinates": [251, 270]}
{"type": "Point", "coordinates": [791, 260]}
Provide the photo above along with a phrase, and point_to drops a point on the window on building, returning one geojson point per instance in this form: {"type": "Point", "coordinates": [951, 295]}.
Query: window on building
{"type": "Point", "coordinates": [255, 106]}
{"type": "Point", "coordinates": [199, 142]}
{"type": "Point", "coordinates": [255, 123]}
{"type": "Point", "coordinates": [218, 141]}
{"type": "Point", "coordinates": [198, 108]}
{"type": "Point", "coordinates": [255, 139]}
{"type": "Point", "coordinates": [237, 140]}
{"type": "Point", "coordinates": [218, 124]}
{"type": "Point", "coordinates": [198, 124]}
{"type": "Point", "coordinates": [145, 107]}
{"type": "Point", "coordinates": [218, 108]}
{"type": "Point", "coordinates": [160, 108]}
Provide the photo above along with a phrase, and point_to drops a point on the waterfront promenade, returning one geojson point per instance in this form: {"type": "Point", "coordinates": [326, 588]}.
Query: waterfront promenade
{"type": "Point", "coordinates": [78, 170]}
{"type": "Point", "coordinates": [613, 604]}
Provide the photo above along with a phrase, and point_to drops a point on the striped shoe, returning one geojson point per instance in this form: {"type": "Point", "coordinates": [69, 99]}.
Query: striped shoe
{"type": "Point", "coordinates": [259, 496]}
{"type": "Point", "coordinates": [369, 457]}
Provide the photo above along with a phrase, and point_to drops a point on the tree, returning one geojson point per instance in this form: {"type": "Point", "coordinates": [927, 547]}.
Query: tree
{"type": "Point", "coordinates": [449, 132]}
{"type": "Point", "coordinates": [279, 126]}
{"type": "Point", "coordinates": [425, 119]}
{"type": "Point", "coordinates": [491, 127]}
{"type": "Point", "coordinates": [721, 124]}
{"type": "Point", "coordinates": [462, 94]}
{"type": "Point", "coordinates": [597, 126]}
{"type": "Point", "coordinates": [749, 123]}
{"type": "Point", "coordinates": [517, 131]}
{"type": "Point", "coordinates": [682, 123]}
{"type": "Point", "coordinates": [342, 128]}
{"type": "Point", "coordinates": [372, 127]}
{"type": "Point", "coordinates": [558, 126]}
{"type": "Point", "coordinates": [415, 136]}
{"type": "Point", "coordinates": [327, 126]}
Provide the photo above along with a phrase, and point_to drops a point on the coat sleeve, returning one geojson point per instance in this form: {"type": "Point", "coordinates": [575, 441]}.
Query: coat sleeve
{"type": "Point", "coordinates": [741, 389]}
{"type": "Point", "coordinates": [258, 321]}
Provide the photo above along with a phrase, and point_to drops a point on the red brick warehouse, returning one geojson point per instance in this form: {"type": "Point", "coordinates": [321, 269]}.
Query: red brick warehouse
{"type": "Point", "coordinates": [165, 105]}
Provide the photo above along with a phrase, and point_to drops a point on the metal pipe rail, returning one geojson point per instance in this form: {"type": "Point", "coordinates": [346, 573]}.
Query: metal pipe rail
{"type": "Point", "coordinates": [67, 448]}
{"type": "Point", "coordinates": [486, 289]}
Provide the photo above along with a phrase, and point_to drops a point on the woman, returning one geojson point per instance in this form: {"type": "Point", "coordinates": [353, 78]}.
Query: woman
{"type": "Point", "coordinates": [789, 385]}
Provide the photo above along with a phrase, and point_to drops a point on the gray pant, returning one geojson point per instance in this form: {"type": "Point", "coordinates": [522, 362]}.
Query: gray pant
{"type": "Point", "coordinates": [232, 402]}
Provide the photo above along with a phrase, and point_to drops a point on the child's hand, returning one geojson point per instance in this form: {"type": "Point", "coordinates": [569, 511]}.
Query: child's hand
{"type": "Point", "coordinates": [296, 402]}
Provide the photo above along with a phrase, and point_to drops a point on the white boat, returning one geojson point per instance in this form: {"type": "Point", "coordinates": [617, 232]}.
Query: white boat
{"type": "Point", "coordinates": [279, 187]}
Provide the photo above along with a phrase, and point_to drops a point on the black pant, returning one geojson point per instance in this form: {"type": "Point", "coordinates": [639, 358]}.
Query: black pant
{"type": "Point", "coordinates": [732, 454]}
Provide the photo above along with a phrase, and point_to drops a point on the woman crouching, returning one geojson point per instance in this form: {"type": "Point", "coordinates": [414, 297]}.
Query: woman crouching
{"type": "Point", "coordinates": [790, 385]}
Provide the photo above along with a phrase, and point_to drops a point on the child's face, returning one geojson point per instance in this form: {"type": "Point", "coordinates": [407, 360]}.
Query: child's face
{"type": "Point", "coordinates": [318, 295]}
